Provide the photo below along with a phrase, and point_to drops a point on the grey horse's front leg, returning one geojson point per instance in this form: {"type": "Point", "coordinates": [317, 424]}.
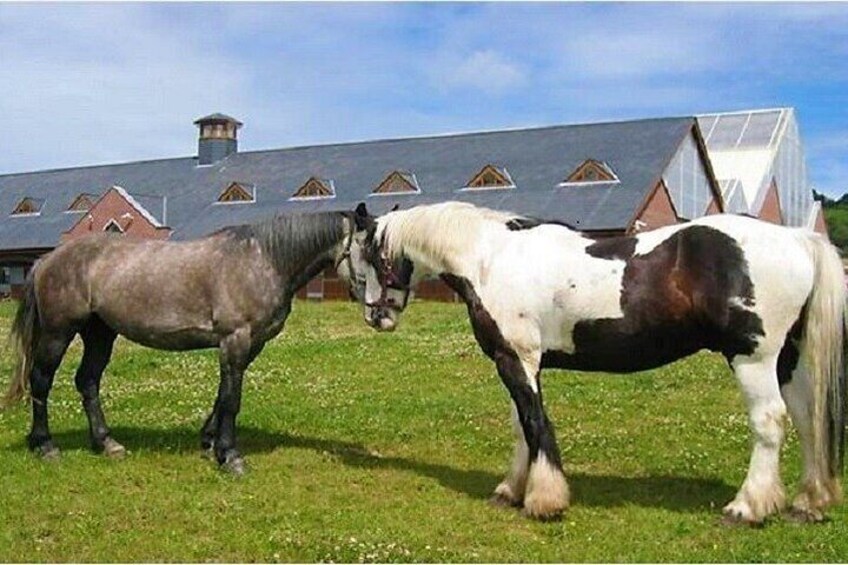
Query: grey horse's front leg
{"type": "Point", "coordinates": [235, 354]}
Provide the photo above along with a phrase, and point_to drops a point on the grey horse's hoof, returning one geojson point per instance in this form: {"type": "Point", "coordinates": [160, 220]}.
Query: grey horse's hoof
{"type": "Point", "coordinates": [48, 452]}
{"type": "Point", "coordinates": [113, 450]}
{"type": "Point", "coordinates": [234, 465]}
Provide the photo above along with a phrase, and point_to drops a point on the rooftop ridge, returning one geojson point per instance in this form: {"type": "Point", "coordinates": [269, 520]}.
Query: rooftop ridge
{"type": "Point", "coordinates": [98, 166]}
{"type": "Point", "coordinates": [361, 142]}
{"type": "Point", "coordinates": [468, 133]}
{"type": "Point", "coordinates": [740, 112]}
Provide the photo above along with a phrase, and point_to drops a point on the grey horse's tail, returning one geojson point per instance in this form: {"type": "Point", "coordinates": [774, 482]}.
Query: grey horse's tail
{"type": "Point", "coordinates": [24, 337]}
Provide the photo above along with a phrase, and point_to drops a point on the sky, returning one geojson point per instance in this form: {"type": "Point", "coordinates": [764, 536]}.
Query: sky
{"type": "Point", "coordinates": [85, 84]}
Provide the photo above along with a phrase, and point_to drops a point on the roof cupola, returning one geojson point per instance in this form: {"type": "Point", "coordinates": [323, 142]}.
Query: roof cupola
{"type": "Point", "coordinates": [218, 138]}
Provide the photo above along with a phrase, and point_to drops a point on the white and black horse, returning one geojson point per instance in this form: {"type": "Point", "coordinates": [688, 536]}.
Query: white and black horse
{"type": "Point", "coordinates": [770, 299]}
{"type": "Point", "coordinates": [232, 290]}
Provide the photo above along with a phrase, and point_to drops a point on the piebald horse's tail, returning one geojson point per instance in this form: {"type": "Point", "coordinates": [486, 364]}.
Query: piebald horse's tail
{"type": "Point", "coordinates": [24, 337]}
{"type": "Point", "coordinates": [822, 349]}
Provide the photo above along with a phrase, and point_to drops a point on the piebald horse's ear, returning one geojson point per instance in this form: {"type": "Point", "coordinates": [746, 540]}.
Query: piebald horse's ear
{"type": "Point", "coordinates": [361, 216]}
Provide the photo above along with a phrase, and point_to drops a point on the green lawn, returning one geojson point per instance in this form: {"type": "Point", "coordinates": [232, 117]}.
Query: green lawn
{"type": "Point", "coordinates": [385, 447]}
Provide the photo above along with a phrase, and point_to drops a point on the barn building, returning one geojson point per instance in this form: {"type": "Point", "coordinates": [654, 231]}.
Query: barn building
{"type": "Point", "coordinates": [758, 159]}
{"type": "Point", "coordinates": [605, 178]}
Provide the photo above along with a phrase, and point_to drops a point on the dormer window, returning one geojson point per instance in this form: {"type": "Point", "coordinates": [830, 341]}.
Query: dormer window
{"type": "Point", "coordinates": [82, 203]}
{"type": "Point", "coordinates": [28, 207]}
{"type": "Point", "coordinates": [398, 182]}
{"type": "Point", "coordinates": [315, 188]}
{"type": "Point", "coordinates": [237, 193]}
{"type": "Point", "coordinates": [490, 177]}
{"type": "Point", "coordinates": [113, 227]}
{"type": "Point", "coordinates": [591, 171]}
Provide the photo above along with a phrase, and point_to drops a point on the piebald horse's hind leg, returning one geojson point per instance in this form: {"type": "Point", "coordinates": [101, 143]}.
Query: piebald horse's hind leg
{"type": "Point", "coordinates": [762, 491]}
{"type": "Point", "coordinates": [818, 489]}
{"type": "Point", "coordinates": [97, 339]}
{"type": "Point", "coordinates": [235, 353]}
{"type": "Point", "coordinates": [542, 485]}
{"type": "Point", "coordinates": [49, 351]}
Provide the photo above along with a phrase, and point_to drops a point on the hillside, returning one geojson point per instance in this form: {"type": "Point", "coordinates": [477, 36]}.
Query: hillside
{"type": "Point", "coordinates": [836, 216]}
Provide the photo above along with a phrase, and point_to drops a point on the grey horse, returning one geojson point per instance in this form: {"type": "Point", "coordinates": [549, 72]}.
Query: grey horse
{"type": "Point", "coordinates": [232, 290]}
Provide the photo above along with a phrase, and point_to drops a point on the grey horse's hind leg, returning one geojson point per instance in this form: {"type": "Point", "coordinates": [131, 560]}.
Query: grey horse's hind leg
{"type": "Point", "coordinates": [49, 351]}
{"type": "Point", "coordinates": [97, 339]}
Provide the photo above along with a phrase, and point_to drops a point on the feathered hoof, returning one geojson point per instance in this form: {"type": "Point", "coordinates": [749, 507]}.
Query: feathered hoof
{"type": "Point", "coordinates": [805, 516]}
{"type": "Point", "coordinates": [736, 521]}
{"type": "Point", "coordinates": [500, 500]}
{"type": "Point", "coordinates": [733, 519]}
{"type": "Point", "coordinates": [551, 515]}
{"type": "Point", "coordinates": [113, 450]}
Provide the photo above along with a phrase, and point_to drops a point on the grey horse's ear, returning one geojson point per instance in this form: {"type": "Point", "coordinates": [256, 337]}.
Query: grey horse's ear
{"type": "Point", "coordinates": [361, 216]}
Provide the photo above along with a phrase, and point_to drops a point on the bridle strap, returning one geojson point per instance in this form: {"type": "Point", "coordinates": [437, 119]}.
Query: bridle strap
{"type": "Point", "coordinates": [345, 256]}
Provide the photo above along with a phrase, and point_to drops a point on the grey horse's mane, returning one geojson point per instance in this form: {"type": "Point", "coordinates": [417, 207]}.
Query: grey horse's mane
{"type": "Point", "coordinates": [293, 240]}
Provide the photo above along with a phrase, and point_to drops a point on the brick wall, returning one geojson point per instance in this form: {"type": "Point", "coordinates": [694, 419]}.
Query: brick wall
{"type": "Point", "coordinates": [820, 226]}
{"type": "Point", "coordinates": [770, 212]}
{"type": "Point", "coordinates": [114, 207]}
{"type": "Point", "coordinates": [659, 211]}
{"type": "Point", "coordinates": [328, 286]}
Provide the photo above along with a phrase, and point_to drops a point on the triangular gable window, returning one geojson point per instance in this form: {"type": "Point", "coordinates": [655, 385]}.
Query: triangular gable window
{"type": "Point", "coordinates": [591, 171]}
{"type": "Point", "coordinates": [237, 192]}
{"type": "Point", "coordinates": [398, 182]}
{"type": "Point", "coordinates": [315, 188]}
{"type": "Point", "coordinates": [81, 203]}
{"type": "Point", "coordinates": [489, 177]}
{"type": "Point", "coordinates": [27, 207]}
{"type": "Point", "coordinates": [113, 227]}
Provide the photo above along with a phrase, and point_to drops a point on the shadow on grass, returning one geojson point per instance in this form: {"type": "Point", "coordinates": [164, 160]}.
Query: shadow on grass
{"type": "Point", "coordinates": [681, 494]}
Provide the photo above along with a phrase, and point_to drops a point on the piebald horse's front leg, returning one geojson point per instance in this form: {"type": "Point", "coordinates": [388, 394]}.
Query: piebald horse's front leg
{"type": "Point", "coordinates": [511, 490]}
{"type": "Point", "coordinates": [536, 479]}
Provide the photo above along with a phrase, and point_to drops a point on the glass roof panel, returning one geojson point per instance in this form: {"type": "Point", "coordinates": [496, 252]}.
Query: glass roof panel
{"type": "Point", "coordinates": [706, 124]}
{"type": "Point", "coordinates": [727, 131]}
{"type": "Point", "coordinates": [760, 129]}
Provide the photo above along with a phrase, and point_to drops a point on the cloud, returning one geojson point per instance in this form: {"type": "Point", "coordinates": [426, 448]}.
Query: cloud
{"type": "Point", "coordinates": [485, 71]}
{"type": "Point", "coordinates": [100, 82]}
{"type": "Point", "coordinates": [107, 83]}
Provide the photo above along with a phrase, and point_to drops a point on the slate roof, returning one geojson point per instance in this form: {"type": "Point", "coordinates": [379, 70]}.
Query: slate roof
{"type": "Point", "coordinates": [538, 160]}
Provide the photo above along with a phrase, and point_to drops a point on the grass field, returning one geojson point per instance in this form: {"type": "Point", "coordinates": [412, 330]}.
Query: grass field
{"type": "Point", "coordinates": [385, 447]}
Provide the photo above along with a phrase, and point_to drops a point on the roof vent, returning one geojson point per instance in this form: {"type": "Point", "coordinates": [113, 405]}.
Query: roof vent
{"type": "Point", "coordinates": [218, 138]}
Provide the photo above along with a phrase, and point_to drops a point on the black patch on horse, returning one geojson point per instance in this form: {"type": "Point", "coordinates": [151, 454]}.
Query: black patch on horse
{"type": "Point", "coordinates": [787, 361]}
{"type": "Point", "coordinates": [538, 430]}
{"type": "Point", "coordinates": [677, 299]}
{"type": "Point", "coordinates": [523, 223]}
{"type": "Point", "coordinates": [613, 248]}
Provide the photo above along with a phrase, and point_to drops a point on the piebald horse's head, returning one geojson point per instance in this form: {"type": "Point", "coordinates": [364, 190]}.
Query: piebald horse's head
{"type": "Point", "coordinates": [382, 283]}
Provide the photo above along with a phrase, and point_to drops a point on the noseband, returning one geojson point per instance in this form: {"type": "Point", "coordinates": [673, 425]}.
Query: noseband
{"type": "Point", "coordinates": [389, 279]}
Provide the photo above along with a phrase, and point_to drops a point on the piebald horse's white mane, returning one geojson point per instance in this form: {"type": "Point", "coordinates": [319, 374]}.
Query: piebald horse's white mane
{"type": "Point", "coordinates": [440, 231]}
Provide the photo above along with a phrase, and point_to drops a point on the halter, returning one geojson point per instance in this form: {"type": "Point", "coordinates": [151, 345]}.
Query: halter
{"type": "Point", "coordinates": [389, 280]}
